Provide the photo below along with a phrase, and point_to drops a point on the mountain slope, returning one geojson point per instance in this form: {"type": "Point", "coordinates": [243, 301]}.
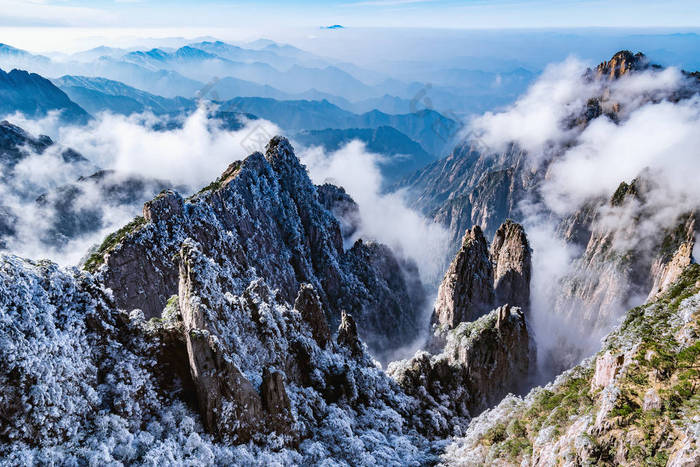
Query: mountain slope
{"type": "Point", "coordinates": [35, 96]}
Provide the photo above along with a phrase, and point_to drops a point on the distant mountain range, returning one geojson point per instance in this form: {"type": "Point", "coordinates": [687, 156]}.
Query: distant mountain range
{"type": "Point", "coordinates": [432, 130]}
{"type": "Point", "coordinates": [280, 71]}
{"type": "Point", "coordinates": [418, 134]}
{"type": "Point", "coordinates": [405, 154]}
{"type": "Point", "coordinates": [100, 94]}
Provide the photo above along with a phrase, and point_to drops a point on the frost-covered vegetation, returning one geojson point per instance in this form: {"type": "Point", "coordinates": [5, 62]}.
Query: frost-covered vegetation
{"type": "Point", "coordinates": [80, 384]}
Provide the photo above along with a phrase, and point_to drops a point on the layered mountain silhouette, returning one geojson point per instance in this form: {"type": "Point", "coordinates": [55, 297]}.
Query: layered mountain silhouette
{"type": "Point", "coordinates": [35, 96]}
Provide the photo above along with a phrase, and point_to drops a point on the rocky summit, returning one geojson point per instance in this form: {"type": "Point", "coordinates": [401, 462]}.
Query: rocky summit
{"type": "Point", "coordinates": [478, 279]}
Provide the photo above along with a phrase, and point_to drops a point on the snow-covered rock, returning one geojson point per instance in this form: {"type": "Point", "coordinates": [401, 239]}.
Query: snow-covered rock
{"type": "Point", "coordinates": [262, 219]}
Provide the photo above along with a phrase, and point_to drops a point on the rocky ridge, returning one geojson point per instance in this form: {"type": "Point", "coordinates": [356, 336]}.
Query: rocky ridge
{"type": "Point", "coordinates": [226, 360]}
{"type": "Point", "coordinates": [36, 96]}
{"type": "Point", "coordinates": [262, 218]}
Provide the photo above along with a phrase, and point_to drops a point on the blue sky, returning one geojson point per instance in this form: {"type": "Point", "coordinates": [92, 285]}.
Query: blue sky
{"type": "Point", "coordinates": [352, 13]}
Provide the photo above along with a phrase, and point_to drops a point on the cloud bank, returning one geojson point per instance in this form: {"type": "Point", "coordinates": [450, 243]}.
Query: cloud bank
{"type": "Point", "coordinates": [643, 129]}
{"type": "Point", "coordinates": [185, 158]}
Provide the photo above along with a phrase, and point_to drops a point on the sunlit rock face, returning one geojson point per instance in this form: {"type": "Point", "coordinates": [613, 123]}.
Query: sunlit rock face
{"type": "Point", "coordinates": [622, 63]}
{"type": "Point", "coordinates": [511, 259]}
{"type": "Point", "coordinates": [481, 278]}
{"type": "Point", "coordinates": [466, 292]}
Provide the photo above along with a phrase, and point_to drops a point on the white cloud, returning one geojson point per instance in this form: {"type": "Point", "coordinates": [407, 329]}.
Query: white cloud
{"type": "Point", "coordinates": [189, 157]}
{"type": "Point", "coordinates": [384, 217]}
{"type": "Point", "coordinates": [192, 155]}
{"type": "Point", "coordinates": [536, 120]}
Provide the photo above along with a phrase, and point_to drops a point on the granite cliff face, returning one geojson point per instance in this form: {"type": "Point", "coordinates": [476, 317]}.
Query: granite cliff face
{"type": "Point", "coordinates": [481, 362]}
{"type": "Point", "coordinates": [613, 272]}
{"type": "Point", "coordinates": [466, 292]}
{"type": "Point", "coordinates": [215, 371]}
{"type": "Point", "coordinates": [470, 187]}
{"type": "Point", "coordinates": [615, 265]}
{"type": "Point", "coordinates": [479, 280]}
{"type": "Point", "coordinates": [511, 259]}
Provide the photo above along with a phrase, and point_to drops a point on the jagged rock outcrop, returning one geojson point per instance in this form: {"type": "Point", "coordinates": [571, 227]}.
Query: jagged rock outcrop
{"type": "Point", "coordinates": [606, 411]}
{"type": "Point", "coordinates": [466, 292]}
{"type": "Point", "coordinates": [230, 406]}
{"type": "Point", "coordinates": [481, 362]}
{"type": "Point", "coordinates": [309, 305]}
{"type": "Point", "coordinates": [347, 335]}
{"type": "Point", "coordinates": [512, 265]}
{"type": "Point", "coordinates": [262, 218]}
{"type": "Point", "coordinates": [622, 63]}
{"type": "Point", "coordinates": [343, 207]}
{"type": "Point", "coordinates": [275, 401]}
{"type": "Point", "coordinates": [478, 357]}
{"type": "Point", "coordinates": [479, 279]}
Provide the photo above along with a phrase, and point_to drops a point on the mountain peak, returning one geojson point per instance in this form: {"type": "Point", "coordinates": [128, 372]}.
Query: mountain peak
{"type": "Point", "coordinates": [622, 63]}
